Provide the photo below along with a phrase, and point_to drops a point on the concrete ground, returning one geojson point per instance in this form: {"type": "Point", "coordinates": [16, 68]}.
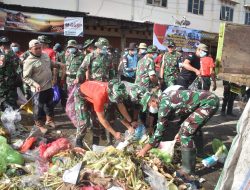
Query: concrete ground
{"type": "Point", "coordinates": [221, 127]}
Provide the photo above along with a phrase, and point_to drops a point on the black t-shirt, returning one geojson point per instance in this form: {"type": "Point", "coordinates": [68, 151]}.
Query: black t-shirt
{"type": "Point", "coordinates": [190, 75]}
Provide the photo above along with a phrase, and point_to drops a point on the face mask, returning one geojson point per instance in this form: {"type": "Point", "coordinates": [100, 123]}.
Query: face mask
{"type": "Point", "coordinates": [154, 56]}
{"type": "Point", "coordinates": [153, 110]}
{"type": "Point", "coordinates": [125, 52]}
{"type": "Point", "coordinates": [203, 54]}
{"type": "Point", "coordinates": [143, 51]}
{"type": "Point", "coordinates": [15, 49]}
{"type": "Point", "coordinates": [72, 50]}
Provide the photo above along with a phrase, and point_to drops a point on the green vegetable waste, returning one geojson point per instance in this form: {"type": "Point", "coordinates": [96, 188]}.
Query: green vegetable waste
{"type": "Point", "coordinates": [163, 156]}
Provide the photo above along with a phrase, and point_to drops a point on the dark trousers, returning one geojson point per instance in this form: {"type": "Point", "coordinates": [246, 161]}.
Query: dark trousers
{"type": "Point", "coordinates": [43, 103]}
{"type": "Point", "coordinates": [183, 82]}
{"type": "Point", "coordinates": [228, 99]}
{"type": "Point", "coordinates": [128, 79]}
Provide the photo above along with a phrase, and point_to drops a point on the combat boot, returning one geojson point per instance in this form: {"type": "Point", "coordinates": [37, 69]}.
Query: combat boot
{"type": "Point", "coordinates": [188, 160]}
{"type": "Point", "coordinates": [40, 126]}
{"type": "Point", "coordinates": [79, 140]}
{"type": "Point", "coordinates": [50, 122]}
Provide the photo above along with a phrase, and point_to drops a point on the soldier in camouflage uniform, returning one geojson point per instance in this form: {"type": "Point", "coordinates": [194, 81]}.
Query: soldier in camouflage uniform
{"type": "Point", "coordinates": [170, 66]}
{"type": "Point", "coordinates": [73, 62]}
{"type": "Point", "coordinates": [145, 72]}
{"type": "Point", "coordinates": [90, 102]}
{"type": "Point", "coordinates": [88, 47]}
{"type": "Point", "coordinates": [96, 64]}
{"type": "Point", "coordinates": [9, 77]}
{"type": "Point", "coordinates": [190, 110]}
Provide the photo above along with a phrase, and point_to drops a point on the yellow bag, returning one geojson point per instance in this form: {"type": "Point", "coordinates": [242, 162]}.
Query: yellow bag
{"type": "Point", "coordinates": [28, 107]}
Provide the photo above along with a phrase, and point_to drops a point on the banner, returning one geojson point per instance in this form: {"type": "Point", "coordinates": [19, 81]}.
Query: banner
{"type": "Point", "coordinates": [40, 23]}
{"type": "Point", "coordinates": [187, 39]}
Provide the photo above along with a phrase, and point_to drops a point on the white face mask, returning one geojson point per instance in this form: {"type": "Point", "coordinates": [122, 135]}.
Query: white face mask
{"type": "Point", "coordinates": [15, 49]}
{"type": "Point", "coordinates": [152, 109]}
{"type": "Point", "coordinates": [203, 54]}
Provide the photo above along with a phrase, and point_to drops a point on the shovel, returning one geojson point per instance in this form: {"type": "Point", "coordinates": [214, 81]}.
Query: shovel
{"type": "Point", "coordinates": [22, 106]}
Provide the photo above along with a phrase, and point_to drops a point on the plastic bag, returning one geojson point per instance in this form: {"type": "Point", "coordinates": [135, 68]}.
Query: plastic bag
{"type": "Point", "coordinates": [10, 118]}
{"type": "Point", "coordinates": [3, 165]}
{"type": "Point", "coordinates": [49, 150]}
{"type": "Point", "coordinates": [139, 132]}
{"type": "Point", "coordinates": [57, 95]}
{"type": "Point", "coordinates": [167, 146]}
{"type": "Point", "coordinates": [10, 155]}
{"type": "Point", "coordinates": [70, 106]}
{"type": "Point", "coordinates": [220, 150]}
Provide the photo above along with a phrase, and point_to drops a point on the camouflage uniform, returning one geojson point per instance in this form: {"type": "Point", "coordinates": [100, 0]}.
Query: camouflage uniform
{"type": "Point", "coordinates": [145, 69]}
{"type": "Point", "coordinates": [171, 67]}
{"type": "Point", "coordinates": [97, 64]}
{"type": "Point", "coordinates": [189, 109]}
{"type": "Point", "coordinates": [73, 62]}
{"type": "Point", "coordinates": [9, 77]}
{"type": "Point", "coordinates": [84, 109]}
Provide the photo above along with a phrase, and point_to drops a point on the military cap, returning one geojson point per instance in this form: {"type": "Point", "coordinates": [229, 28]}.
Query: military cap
{"type": "Point", "coordinates": [202, 47]}
{"type": "Point", "coordinates": [72, 43]}
{"type": "Point", "coordinates": [152, 49]}
{"type": "Point", "coordinates": [44, 39]}
{"type": "Point", "coordinates": [88, 42]}
{"type": "Point", "coordinates": [102, 42]}
{"type": "Point", "coordinates": [34, 43]}
{"type": "Point", "coordinates": [117, 91]}
{"type": "Point", "coordinates": [170, 43]}
{"type": "Point", "coordinates": [4, 39]}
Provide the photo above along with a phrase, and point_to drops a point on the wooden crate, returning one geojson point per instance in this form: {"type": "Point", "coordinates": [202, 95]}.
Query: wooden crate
{"type": "Point", "coordinates": [233, 53]}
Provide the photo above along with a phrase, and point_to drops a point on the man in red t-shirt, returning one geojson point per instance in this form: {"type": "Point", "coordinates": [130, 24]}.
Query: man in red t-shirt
{"type": "Point", "coordinates": [91, 100]}
{"type": "Point", "coordinates": [45, 41]}
{"type": "Point", "coordinates": [207, 71]}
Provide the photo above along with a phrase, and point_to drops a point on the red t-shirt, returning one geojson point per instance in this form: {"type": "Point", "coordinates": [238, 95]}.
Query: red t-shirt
{"type": "Point", "coordinates": [51, 53]}
{"type": "Point", "coordinates": [95, 92]}
{"type": "Point", "coordinates": [157, 61]}
{"type": "Point", "coordinates": [206, 64]}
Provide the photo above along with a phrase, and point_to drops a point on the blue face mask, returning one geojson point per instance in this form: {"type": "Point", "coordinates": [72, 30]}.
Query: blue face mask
{"type": "Point", "coordinates": [203, 54]}
{"type": "Point", "coordinates": [72, 50]}
{"type": "Point", "coordinates": [154, 56]}
{"type": "Point", "coordinates": [15, 49]}
{"type": "Point", "coordinates": [143, 51]}
{"type": "Point", "coordinates": [104, 51]}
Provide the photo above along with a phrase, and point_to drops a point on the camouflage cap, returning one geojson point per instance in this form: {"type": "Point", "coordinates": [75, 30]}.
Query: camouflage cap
{"type": "Point", "coordinates": [144, 100]}
{"type": "Point", "coordinates": [117, 91]}
{"type": "Point", "coordinates": [4, 39]}
{"type": "Point", "coordinates": [102, 42]}
{"type": "Point", "coordinates": [44, 39]}
{"type": "Point", "coordinates": [152, 49]}
{"type": "Point", "coordinates": [170, 43]}
{"type": "Point", "coordinates": [136, 92]}
{"type": "Point", "coordinates": [72, 43]}
{"type": "Point", "coordinates": [88, 42]}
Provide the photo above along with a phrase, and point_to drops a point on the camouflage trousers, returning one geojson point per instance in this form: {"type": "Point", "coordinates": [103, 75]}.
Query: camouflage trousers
{"type": "Point", "coordinates": [8, 98]}
{"type": "Point", "coordinates": [84, 115]}
{"type": "Point", "coordinates": [169, 81]}
{"type": "Point", "coordinates": [196, 120]}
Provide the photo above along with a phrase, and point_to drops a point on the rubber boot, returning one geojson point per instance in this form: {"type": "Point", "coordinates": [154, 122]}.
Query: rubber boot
{"type": "Point", "coordinates": [188, 160]}
{"type": "Point", "coordinates": [40, 126]}
{"type": "Point", "coordinates": [79, 140]}
{"type": "Point", "coordinates": [198, 141]}
{"type": "Point", "coordinates": [96, 140]}
{"type": "Point", "coordinates": [50, 122]}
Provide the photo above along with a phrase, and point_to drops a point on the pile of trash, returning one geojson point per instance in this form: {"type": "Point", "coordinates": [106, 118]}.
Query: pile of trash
{"type": "Point", "coordinates": [36, 163]}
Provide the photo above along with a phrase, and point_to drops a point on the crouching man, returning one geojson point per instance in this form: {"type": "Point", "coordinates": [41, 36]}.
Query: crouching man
{"type": "Point", "coordinates": [91, 101]}
{"type": "Point", "coordinates": [191, 110]}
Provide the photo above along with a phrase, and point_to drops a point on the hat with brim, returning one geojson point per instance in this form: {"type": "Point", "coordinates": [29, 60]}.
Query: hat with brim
{"type": "Point", "coordinates": [152, 49]}
{"type": "Point", "coordinates": [117, 91]}
{"type": "Point", "coordinates": [72, 43]}
{"type": "Point", "coordinates": [101, 42]}
{"type": "Point", "coordinates": [170, 43]}
{"type": "Point", "coordinates": [202, 47]}
{"type": "Point", "coordinates": [132, 46]}
{"type": "Point", "coordinates": [88, 42]}
{"type": "Point", "coordinates": [142, 46]}
{"type": "Point", "coordinates": [144, 101]}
